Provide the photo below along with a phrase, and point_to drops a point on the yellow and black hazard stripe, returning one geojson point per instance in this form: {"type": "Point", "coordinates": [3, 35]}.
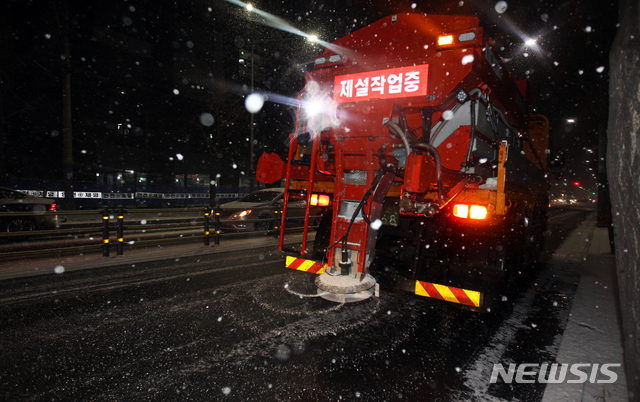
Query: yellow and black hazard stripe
{"type": "Point", "coordinates": [455, 295]}
{"type": "Point", "coordinates": [301, 264]}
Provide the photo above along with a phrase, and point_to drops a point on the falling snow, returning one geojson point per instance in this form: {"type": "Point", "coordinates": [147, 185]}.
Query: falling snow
{"type": "Point", "coordinates": [467, 59]}
{"type": "Point", "coordinates": [206, 119]}
{"type": "Point", "coordinates": [375, 225]}
{"type": "Point", "coordinates": [501, 7]}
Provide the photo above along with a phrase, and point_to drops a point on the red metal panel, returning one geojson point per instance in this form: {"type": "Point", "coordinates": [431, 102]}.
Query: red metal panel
{"type": "Point", "coordinates": [453, 151]}
{"type": "Point", "coordinates": [420, 172]}
{"type": "Point", "coordinates": [377, 36]}
{"type": "Point", "coordinates": [270, 168]}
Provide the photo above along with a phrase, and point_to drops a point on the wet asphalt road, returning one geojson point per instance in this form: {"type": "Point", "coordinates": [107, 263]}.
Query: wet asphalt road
{"type": "Point", "coordinates": [231, 328]}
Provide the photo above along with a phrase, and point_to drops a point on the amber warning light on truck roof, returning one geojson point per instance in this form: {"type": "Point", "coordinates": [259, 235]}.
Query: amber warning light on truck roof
{"type": "Point", "coordinates": [457, 38]}
{"type": "Point", "coordinates": [390, 83]}
{"type": "Point", "coordinates": [445, 40]}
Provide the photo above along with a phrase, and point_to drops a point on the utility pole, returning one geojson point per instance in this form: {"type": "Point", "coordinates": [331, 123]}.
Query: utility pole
{"type": "Point", "coordinates": [4, 180]}
{"type": "Point", "coordinates": [251, 174]}
{"type": "Point", "coordinates": [67, 134]}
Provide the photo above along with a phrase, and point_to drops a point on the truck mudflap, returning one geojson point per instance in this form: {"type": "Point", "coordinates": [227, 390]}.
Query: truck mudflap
{"type": "Point", "coordinates": [451, 294]}
{"type": "Point", "coordinates": [464, 298]}
{"type": "Point", "coordinates": [301, 264]}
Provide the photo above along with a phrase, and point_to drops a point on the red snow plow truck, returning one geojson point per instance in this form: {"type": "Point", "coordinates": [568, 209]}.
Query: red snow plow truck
{"type": "Point", "coordinates": [419, 144]}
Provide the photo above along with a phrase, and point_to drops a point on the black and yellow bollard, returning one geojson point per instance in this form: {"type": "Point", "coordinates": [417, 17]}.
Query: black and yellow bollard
{"type": "Point", "coordinates": [277, 218]}
{"type": "Point", "coordinates": [217, 225]}
{"type": "Point", "coordinates": [105, 232]}
{"type": "Point", "coordinates": [207, 213]}
{"type": "Point", "coordinates": [120, 231]}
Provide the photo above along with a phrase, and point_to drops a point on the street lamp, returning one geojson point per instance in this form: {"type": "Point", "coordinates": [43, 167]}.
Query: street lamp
{"type": "Point", "coordinates": [251, 174]}
{"type": "Point", "coordinates": [274, 22]}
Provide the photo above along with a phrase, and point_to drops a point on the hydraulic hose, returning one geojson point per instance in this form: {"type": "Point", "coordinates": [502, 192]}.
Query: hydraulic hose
{"type": "Point", "coordinates": [467, 164]}
{"type": "Point", "coordinates": [400, 133]}
{"type": "Point", "coordinates": [380, 175]}
{"type": "Point", "coordinates": [497, 112]}
{"type": "Point", "coordinates": [345, 253]}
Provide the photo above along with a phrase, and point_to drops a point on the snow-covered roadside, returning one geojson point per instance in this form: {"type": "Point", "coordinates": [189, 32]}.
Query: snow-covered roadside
{"type": "Point", "coordinates": [593, 333]}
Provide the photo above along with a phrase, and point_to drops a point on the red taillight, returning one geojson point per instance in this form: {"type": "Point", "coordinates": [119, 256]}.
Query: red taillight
{"type": "Point", "coordinates": [478, 212]}
{"type": "Point", "coordinates": [324, 200]}
{"type": "Point", "coordinates": [52, 207]}
{"type": "Point", "coordinates": [461, 211]}
{"type": "Point", "coordinates": [470, 211]}
{"type": "Point", "coordinates": [320, 200]}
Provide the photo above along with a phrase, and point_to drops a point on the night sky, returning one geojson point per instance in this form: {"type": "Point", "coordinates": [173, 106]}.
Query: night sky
{"type": "Point", "coordinates": [179, 54]}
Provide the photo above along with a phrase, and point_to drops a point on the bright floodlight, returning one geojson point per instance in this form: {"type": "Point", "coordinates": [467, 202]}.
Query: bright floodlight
{"type": "Point", "coordinates": [312, 38]}
{"type": "Point", "coordinates": [530, 42]}
{"type": "Point", "coordinates": [314, 107]}
{"type": "Point", "coordinates": [571, 121]}
{"type": "Point", "coordinates": [320, 111]}
{"type": "Point", "coordinates": [249, 7]}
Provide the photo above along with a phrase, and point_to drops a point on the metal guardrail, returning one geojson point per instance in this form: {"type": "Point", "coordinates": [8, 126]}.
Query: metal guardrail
{"type": "Point", "coordinates": [113, 223]}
